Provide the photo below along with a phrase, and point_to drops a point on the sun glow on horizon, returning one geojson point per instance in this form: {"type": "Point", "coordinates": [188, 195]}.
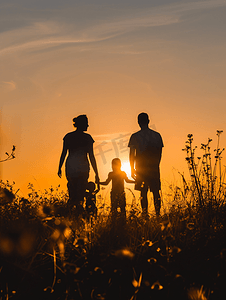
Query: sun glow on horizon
{"type": "Point", "coordinates": [126, 168]}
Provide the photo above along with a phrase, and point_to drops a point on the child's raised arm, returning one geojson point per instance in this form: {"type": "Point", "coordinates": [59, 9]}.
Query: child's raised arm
{"type": "Point", "coordinates": [129, 180]}
{"type": "Point", "coordinates": [106, 181]}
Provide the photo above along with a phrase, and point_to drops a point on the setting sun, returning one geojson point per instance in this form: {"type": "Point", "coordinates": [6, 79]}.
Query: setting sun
{"type": "Point", "coordinates": [126, 168]}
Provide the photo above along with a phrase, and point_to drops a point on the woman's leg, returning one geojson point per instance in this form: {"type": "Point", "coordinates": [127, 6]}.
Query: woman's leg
{"type": "Point", "coordinates": [76, 189]}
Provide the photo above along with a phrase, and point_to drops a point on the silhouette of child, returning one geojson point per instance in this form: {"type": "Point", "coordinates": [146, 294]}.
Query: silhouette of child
{"type": "Point", "coordinates": [118, 199]}
{"type": "Point", "coordinates": [90, 196]}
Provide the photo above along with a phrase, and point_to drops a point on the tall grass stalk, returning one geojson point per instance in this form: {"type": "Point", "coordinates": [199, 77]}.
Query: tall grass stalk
{"type": "Point", "coordinates": [207, 186]}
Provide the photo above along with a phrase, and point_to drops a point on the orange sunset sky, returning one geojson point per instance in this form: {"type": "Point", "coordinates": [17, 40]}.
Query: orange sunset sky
{"type": "Point", "coordinates": [110, 60]}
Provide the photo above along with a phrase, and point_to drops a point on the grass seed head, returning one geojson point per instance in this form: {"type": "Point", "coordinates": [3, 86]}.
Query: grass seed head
{"type": "Point", "coordinates": [196, 294]}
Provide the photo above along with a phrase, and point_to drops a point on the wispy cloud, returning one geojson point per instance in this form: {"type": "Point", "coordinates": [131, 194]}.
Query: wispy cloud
{"type": "Point", "coordinates": [45, 43]}
{"type": "Point", "coordinates": [159, 16]}
{"type": "Point", "coordinates": [116, 136]}
{"type": "Point", "coordinates": [9, 85]}
{"type": "Point", "coordinates": [112, 136]}
{"type": "Point", "coordinates": [41, 35]}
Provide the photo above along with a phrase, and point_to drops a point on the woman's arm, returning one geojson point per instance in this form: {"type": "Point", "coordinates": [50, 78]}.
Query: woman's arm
{"type": "Point", "coordinates": [62, 158]}
{"type": "Point", "coordinates": [94, 165]}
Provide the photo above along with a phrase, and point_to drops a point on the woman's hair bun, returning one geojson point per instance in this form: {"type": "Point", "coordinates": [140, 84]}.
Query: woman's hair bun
{"type": "Point", "coordinates": [80, 120]}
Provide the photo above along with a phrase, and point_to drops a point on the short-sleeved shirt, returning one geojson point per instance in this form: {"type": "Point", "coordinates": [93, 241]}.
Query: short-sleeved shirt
{"type": "Point", "coordinates": [118, 179]}
{"type": "Point", "coordinates": [148, 144]}
{"type": "Point", "coordinates": [78, 144]}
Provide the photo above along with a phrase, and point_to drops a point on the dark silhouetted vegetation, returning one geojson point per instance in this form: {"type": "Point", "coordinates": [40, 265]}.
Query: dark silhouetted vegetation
{"type": "Point", "coordinates": [47, 254]}
{"type": "Point", "coordinates": [9, 156]}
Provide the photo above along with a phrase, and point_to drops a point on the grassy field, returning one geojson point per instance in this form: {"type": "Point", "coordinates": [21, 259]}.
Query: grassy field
{"type": "Point", "coordinates": [45, 253]}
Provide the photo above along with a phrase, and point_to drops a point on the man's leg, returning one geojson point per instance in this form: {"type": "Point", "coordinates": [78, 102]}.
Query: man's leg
{"type": "Point", "coordinates": [157, 201]}
{"type": "Point", "coordinates": [144, 198]}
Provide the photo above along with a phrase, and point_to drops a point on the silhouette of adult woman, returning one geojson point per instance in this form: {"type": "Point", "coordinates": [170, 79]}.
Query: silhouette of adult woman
{"type": "Point", "coordinates": [79, 147]}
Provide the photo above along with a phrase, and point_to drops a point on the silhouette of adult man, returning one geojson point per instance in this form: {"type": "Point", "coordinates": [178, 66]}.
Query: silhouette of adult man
{"type": "Point", "coordinates": [145, 156]}
{"type": "Point", "coordinates": [79, 147]}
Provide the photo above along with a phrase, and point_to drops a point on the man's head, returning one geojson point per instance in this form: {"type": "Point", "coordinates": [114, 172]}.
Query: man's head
{"type": "Point", "coordinates": [143, 120]}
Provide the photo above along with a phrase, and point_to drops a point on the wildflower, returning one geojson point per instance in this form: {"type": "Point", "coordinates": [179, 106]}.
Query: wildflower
{"type": "Point", "coordinates": [219, 132]}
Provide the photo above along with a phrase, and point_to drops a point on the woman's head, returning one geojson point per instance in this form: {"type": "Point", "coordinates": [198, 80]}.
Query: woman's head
{"type": "Point", "coordinates": [81, 122]}
{"type": "Point", "coordinates": [116, 164]}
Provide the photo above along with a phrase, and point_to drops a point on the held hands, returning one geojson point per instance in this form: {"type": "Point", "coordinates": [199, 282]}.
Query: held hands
{"type": "Point", "coordinates": [133, 174]}
{"type": "Point", "coordinates": [97, 181]}
{"type": "Point", "coordinates": [98, 188]}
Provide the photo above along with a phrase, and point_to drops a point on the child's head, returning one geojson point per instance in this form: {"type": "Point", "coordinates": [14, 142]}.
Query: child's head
{"type": "Point", "coordinates": [116, 164]}
{"type": "Point", "coordinates": [91, 186]}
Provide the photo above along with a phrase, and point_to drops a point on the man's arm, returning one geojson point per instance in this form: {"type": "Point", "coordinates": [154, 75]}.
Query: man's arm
{"type": "Point", "coordinates": [159, 154]}
{"type": "Point", "coordinates": [132, 162]}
